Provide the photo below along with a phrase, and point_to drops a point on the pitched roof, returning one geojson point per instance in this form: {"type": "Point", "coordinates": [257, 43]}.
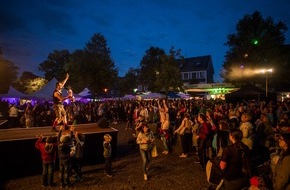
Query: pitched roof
{"type": "Point", "coordinates": [196, 63]}
{"type": "Point", "coordinates": [13, 93]}
{"type": "Point", "coordinates": [46, 91]}
{"type": "Point", "coordinates": [85, 92]}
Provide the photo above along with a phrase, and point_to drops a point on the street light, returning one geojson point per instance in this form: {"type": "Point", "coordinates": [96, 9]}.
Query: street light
{"type": "Point", "coordinates": [266, 71]}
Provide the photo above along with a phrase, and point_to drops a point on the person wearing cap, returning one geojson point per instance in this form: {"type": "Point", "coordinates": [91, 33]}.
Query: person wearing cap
{"type": "Point", "coordinates": [48, 154]}
{"type": "Point", "coordinates": [145, 139]}
{"type": "Point", "coordinates": [281, 176]}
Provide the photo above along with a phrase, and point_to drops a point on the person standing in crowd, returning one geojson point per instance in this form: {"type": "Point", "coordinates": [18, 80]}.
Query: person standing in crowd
{"type": "Point", "coordinates": [36, 110]}
{"type": "Point", "coordinates": [202, 138]}
{"type": "Point", "coordinates": [48, 155]}
{"type": "Point", "coordinates": [178, 120]}
{"type": "Point", "coordinates": [233, 120]}
{"type": "Point", "coordinates": [108, 154]}
{"type": "Point", "coordinates": [195, 132]}
{"type": "Point", "coordinates": [235, 162]}
{"type": "Point", "coordinates": [13, 116]}
{"type": "Point", "coordinates": [145, 139]}
{"type": "Point", "coordinates": [184, 130]}
{"type": "Point", "coordinates": [76, 160]}
{"type": "Point", "coordinates": [144, 112]}
{"type": "Point", "coordinates": [28, 115]}
{"type": "Point", "coordinates": [150, 114]}
{"type": "Point", "coordinates": [165, 123]}
{"type": "Point", "coordinates": [176, 124]}
{"type": "Point", "coordinates": [263, 135]}
{"type": "Point", "coordinates": [221, 138]}
{"type": "Point", "coordinates": [129, 116]}
{"type": "Point", "coordinates": [281, 176]}
{"type": "Point", "coordinates": [100, 111]}
{"type": "Point", "coordinates": [213, 124]}
{"type": "Point", "coordinates": [64, 154]}
{"type": "Point", "coordinates": [247, 129]}
{"type": "Point", "coordinates": [89, 112]}
{"type": "Point", "coordinates": [138, 126]}
{"type": "Point", "coordinates": [58, 99]}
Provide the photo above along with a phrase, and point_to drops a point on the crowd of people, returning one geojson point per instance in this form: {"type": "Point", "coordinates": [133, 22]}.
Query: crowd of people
{"type": "Point", "coordinates": [255, 131]}
{"type": "Point", "coordinates": [250, 139]}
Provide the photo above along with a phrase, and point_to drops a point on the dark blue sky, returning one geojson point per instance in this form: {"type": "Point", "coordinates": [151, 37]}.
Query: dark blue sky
{"type": "Point", "coordinates": [31, 29]}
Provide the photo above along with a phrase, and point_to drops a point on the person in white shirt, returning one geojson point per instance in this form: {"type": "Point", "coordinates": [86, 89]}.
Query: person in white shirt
{"type": "Point", "coordinates": [13, 116]}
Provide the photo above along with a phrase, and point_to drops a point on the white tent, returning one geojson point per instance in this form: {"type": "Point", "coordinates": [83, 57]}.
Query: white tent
{"type": "Point", "coordinates": [46, 91]}
{"type": "Point", "coordinates": [151, 95]}
{"type": "Point", "coordinates": [85, 93]}
{"type": "Point", "coordinates": [183, 95]}
{"type": "Point", "coordinates": [13, 93]}
{"type": "Point", "coordinates": [128, 97]}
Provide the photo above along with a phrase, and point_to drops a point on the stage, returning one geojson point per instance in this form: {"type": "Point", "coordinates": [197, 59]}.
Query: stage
{"type": "Point", "coordinates": [19, 157]}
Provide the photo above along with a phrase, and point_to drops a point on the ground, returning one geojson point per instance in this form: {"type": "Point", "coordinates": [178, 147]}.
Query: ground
{"type": "Point", "coordinates": [166, 172]}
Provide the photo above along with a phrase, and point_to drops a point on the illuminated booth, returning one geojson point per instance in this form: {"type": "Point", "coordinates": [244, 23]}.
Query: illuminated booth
{"type": "Point", "coordinates": [210, 90]}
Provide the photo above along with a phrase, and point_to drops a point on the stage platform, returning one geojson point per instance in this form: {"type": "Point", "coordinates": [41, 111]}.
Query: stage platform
{"type": "Point", "coordinates": [33, 133]}
{"type": "Point", "coordinates": [19, 157]}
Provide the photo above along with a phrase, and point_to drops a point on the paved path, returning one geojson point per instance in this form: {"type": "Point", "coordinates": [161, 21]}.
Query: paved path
{"type": "Point", "coordinates": [167, 172]}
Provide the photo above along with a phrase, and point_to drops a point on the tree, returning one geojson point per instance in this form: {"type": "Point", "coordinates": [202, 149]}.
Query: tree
{"type": "Point", "coordinates": [160, 72]}
{"type": "Point", "coordinates": [29, 83]}
{"type": "Point", "coordinates": [256, 44]}
{"type": "Point", "coordinates": [54, 66]}
{"type": "Point", "coordinates": [281, 79]}
{"type": "Point", "coordinates": [76, 69]}
{"type": "Point", "coordinates": [8, 73]}
{"type": "Point", "coordinates": [129, 82]}
{"type": "Point", "coordinates": [150, 67]}
{"type": "Point", "coordinates": [93, 67]}
{"type": "Point", "coordinates": [169, 77]}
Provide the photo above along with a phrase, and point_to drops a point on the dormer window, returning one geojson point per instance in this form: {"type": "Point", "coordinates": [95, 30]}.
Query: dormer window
{"type": "Point", "coordinates": [197, 64]}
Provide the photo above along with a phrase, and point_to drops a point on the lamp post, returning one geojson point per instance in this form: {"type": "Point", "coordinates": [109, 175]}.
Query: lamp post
{"type": "Point", "coordinates": [266, 71]}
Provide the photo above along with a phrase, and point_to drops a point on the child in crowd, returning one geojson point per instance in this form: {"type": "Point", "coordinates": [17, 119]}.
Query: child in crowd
{"type": "Point", "coordinates": [48, 154]}
{"type": "Point", "coordinates": [76, 158]}
{"type": "Point", "coordinates": [64, 154]}
{"type": "Point", "coordinates": [107, 154]}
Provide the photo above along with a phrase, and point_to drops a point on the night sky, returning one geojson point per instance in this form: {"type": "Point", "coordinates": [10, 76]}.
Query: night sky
{"type": "Point", "coordinates": [31, 29]}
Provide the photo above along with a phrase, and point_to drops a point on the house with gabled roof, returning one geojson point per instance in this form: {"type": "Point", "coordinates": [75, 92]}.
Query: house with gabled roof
{"type": "Point", "coordinates": [197, 70]}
